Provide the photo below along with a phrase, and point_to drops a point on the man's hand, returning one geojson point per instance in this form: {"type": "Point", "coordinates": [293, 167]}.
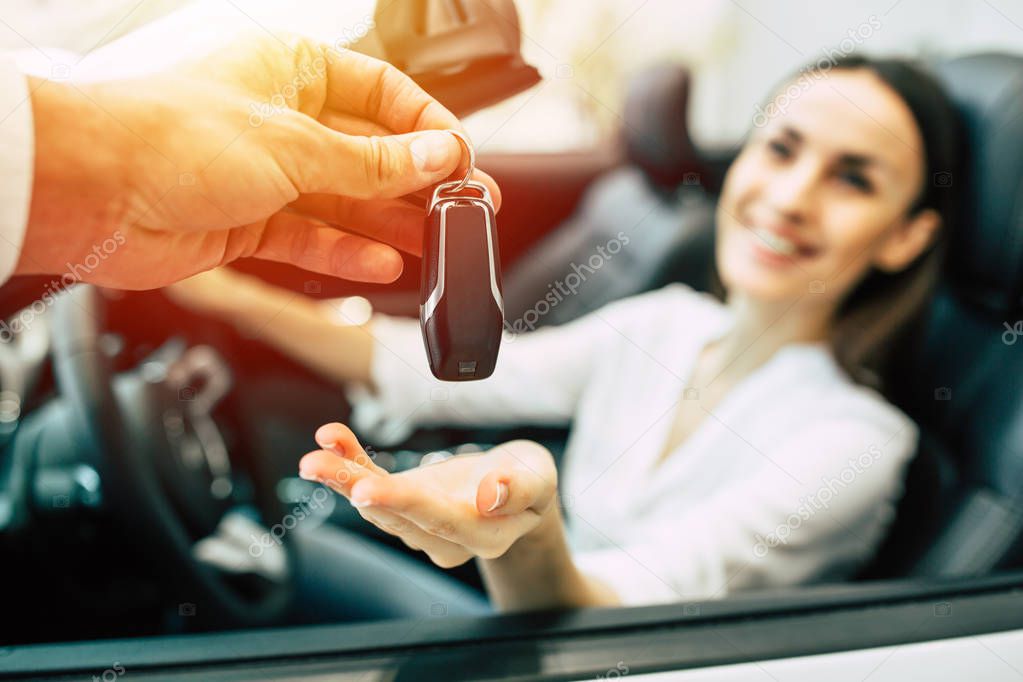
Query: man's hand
{"type": "Point", "coordinates": [288, 151]}
{"type": "Point", "coordinates": [467, 506]}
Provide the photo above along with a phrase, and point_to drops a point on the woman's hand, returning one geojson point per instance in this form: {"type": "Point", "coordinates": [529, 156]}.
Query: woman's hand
{"type": "Point", "coordinates": [265, 148]}
{"type": "Point", "coordinates": [464, 507]}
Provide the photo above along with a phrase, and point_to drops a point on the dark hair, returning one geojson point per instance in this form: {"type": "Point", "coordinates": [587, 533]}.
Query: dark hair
{"type": "Point", "coordinates": [879, 315]}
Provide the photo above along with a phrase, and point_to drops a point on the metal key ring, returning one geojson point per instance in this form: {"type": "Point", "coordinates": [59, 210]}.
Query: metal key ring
{"type": "Point", "coordinates": [472, 160]}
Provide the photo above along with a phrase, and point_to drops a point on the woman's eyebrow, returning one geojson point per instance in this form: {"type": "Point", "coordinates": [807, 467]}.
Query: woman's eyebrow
{"type": "Point", "coordinates": [851, 159]}
{"type": "Point", "coordinates": [792, 133]}
{"type": "Point", "coordinates": [858, 160]}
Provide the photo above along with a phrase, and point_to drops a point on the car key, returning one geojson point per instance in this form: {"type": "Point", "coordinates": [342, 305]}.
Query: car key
{"type": "Point", "coordinates": [461, 306]}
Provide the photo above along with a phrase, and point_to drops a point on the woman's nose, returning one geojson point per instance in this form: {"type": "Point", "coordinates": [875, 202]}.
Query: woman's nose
{"type": "Point", "coordinates": [790, 192]}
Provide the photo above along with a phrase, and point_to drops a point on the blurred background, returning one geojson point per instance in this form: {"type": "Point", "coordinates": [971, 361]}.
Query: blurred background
{"type": "Point", "coordinates": [737, 50]}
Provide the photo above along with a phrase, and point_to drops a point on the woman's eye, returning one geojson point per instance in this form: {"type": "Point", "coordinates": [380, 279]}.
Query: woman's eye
{"type": "Point", "coordinates": [857, 181]}
{"type": "Point", "coordinates": [779, 149]}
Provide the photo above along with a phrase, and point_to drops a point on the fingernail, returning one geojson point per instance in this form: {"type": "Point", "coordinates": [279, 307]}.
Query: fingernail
{"type": "Point", "coordinates": [359, 501]}
{"type": "Point", "coordinates": [431, 151]}
{"type": "Point", "coordinates": [307, 475]}
{"type": "Point", "coordinates": [360, 498]}
{"type": "Point", "coordinates": [502, 496]}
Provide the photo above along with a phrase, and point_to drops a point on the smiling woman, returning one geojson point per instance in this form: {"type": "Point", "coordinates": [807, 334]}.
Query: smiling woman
{"type": "Point", "coordinates": [714, 448]}
{"type": "Point", "coordinates": [884, 148]}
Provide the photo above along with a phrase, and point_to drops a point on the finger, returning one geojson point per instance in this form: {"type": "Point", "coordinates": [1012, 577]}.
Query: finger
{"type": "Point", "coordinates": [356, 125]}
{"type": "Point", "coordinates": [495, 190]}
{"type": "Point", "coordinates": [391, 221]}
{"type": "Point", "coordinates": [314, 246]}
{"type": "Point", "coordinates": [324, 146]}
{"type": "Point", "coordinates": [339, 439]}
{"type": "Point", "coordinates": [351, 124]}
{"type": "Point", "coordinates": [427, 507]}
{"type": "Point", "coordinates": [505, 493]}
{"type": "Point", "coordinates": [479, 176]}
{"type": "Point", "coordinates": [522, 478]}
{"type": "Point", "coordinates": [441, 551]}
{"type": "Point", "coordinates": [485, 179]}
{"type": "Point", "coordinates": [392, 524]}
{"type": "Point", "coordinates": [377, 91]}
{"type": "Point", "coordinates": [338, 473]}
{"type": "Point", "coordinates": [438, 513]}
{"type": "Point", "coordinates": [373, 167]}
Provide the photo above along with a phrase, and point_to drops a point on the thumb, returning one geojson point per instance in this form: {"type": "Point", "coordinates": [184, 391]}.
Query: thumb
{"type": "Point", "coordinates": [383, 167]}
{"type": "Point", "coordinates": [510, 492]}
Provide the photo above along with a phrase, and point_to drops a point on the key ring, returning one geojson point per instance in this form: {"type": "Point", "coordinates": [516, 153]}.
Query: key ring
{"type": "Point", "coordinates": [472, 160]}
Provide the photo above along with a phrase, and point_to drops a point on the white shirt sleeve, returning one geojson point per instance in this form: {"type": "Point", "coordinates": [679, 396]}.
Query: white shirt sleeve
{"type": "Point", "coordinates": [539, 378]}
{"type": "Point", "coordinates": [817, 507]}
{"type": "Point", "coordinates": [16, 154]}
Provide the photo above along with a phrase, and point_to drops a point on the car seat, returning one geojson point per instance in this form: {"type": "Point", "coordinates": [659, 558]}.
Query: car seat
{"type": "Point", "coordinates": [962, 513]}
{"type": "Point", "coordinates": [656, 199]}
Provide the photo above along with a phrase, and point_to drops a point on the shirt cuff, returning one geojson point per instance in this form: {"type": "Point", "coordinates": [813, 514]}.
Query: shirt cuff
{"type": "Point", "coordinates": [16, 164]}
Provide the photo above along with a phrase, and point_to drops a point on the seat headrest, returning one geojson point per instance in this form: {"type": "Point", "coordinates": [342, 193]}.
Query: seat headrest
{"type": "Point", "coordinates": [655, 130]}
{"type": "Point", "coordinates": [986, 250]}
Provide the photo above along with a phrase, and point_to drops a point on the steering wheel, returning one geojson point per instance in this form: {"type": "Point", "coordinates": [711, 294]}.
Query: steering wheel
{"type": "Point", "coordinates": [165, 469]}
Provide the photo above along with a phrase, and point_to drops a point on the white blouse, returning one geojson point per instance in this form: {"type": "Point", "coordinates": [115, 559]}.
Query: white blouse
{"type": "Point", "coordinates": [791, 478]}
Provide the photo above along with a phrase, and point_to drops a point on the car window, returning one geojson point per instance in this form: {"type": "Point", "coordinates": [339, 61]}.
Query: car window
{"type": "Point", "coordinates": [724, 350]}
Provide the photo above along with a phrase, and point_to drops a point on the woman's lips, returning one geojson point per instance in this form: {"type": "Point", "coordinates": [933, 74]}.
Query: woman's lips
{"type": "Point", "coordinates": [775, 248]}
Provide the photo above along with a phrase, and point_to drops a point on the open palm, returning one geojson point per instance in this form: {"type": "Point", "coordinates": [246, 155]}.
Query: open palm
{"type": "Point", "coordinates": [474, 505]}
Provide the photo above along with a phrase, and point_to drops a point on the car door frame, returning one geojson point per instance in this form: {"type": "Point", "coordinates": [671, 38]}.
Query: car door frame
{"type": "Point", "coordinates": [562, 645]}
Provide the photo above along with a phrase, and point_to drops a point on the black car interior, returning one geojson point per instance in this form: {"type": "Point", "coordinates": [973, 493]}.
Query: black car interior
{"type": "Point", "coordinates": [116, 377]}
{"type": "Point", "coordinates": [963, 512]}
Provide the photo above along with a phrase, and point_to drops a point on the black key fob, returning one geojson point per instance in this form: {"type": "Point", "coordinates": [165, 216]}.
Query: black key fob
{"type": "Point", "coordinates": [461, 308]}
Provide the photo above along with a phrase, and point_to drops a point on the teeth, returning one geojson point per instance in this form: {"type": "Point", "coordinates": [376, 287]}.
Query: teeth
{"type": "Point", "coordinates": [776, 242]}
